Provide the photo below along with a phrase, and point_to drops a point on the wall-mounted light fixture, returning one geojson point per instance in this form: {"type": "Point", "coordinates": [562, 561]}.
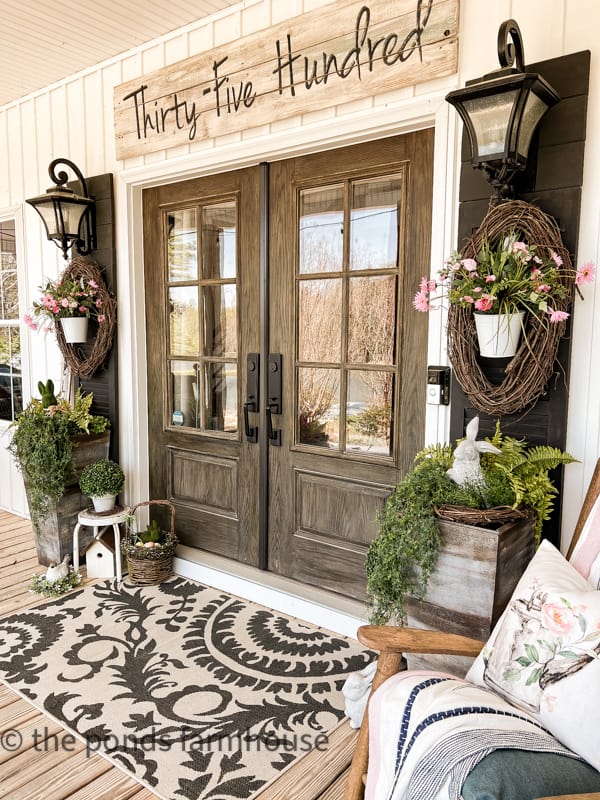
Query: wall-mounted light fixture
{"type": "Point", "coordinates": [69, 218]}
{"type": "Point", "coordinates": [501, 112]}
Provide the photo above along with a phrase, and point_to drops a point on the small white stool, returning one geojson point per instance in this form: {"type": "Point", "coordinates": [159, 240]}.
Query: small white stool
{"type": "Point", "coordinates": [99, 521]}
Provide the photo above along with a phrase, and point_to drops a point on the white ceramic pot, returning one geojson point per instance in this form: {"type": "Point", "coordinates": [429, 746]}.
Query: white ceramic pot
{"type": "Point", "coordinates": [74, 329]}
{"type": "Point", "coordinates": [498, 334]}
{"type": "Point", "coordinates": [104, 503]}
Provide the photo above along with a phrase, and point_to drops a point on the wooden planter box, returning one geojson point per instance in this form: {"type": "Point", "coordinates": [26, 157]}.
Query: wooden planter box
{"type": "Point", "coordinates": [54, 535]}
{"type": "Point", "coordinates": [475, 576]}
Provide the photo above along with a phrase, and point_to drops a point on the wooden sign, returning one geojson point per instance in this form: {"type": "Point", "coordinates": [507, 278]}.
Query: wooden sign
{"type": "Point", "coordinates": [341, 52]}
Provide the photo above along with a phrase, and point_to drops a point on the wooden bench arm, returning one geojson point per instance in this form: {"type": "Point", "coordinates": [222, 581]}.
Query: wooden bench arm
{"type": "Point", "coordinates": [388, 639]}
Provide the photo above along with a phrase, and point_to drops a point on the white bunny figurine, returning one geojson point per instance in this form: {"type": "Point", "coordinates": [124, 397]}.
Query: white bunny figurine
{"type": "Point", "coordinates": [356, 691]}
{"type": "Point", "coordinates": [57, 571]}
{"type": "Point", "coordinates": [465, 467]}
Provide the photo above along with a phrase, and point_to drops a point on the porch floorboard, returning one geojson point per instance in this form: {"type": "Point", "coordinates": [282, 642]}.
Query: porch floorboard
{"type": "Point", "coordinates": [53, 773]}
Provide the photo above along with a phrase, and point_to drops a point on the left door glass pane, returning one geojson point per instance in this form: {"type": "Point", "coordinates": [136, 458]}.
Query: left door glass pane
{"type": "Point", "coordinates": [220, 319]}
{"type": "Point", "coordinates": [219, 241]}
{"type": "Point", "coordinates": [321, 234]}
{"type": "Point", "coordinates": [185, 394]}
{"type": "Point", "coordinates": [221, 397]}
{"type": "Point", "coordinates": [182, 245]}
{"type": "Point", "coordinates": [183, 321]}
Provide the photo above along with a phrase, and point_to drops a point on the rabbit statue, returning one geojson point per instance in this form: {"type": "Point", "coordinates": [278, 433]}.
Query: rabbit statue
{"type": "Point", "coordinates": [356, 690]}
{"type": "Point", "coordinates": [466, 468]}
{"type": "Point", "coordinates": [56, 572]}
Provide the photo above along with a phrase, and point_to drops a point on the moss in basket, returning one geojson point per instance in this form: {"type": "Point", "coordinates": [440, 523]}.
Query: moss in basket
{"type": "Point", "coordinates": [404, 554]}
{"type": "Point", "coordinates": [152, 534]}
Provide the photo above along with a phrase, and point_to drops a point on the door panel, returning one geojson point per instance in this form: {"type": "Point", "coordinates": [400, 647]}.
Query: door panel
{"type": "Point", "coordinates": [201, 281]}
{"type": "Point", "coordinates": [350, 237]}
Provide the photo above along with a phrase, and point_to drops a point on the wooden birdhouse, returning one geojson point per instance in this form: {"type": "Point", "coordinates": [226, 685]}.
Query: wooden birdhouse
{"type": "Point", "coordinates": [100, 556]}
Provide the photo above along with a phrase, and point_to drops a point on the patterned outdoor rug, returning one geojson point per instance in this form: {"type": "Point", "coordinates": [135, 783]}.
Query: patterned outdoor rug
{"type": "Point", "coordinates": [198, 694]}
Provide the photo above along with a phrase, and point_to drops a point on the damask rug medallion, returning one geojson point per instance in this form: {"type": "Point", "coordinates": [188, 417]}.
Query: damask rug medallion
{"type": "Point", "coordinates": [200, 695]}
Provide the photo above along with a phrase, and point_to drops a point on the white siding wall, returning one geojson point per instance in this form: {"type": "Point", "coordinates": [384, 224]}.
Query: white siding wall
{"type": "Point", "coordinates": [74, 119]}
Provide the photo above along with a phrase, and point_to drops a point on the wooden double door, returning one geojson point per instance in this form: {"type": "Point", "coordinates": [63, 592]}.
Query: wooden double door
{"type": "Point", "coordinates": [286, 366]}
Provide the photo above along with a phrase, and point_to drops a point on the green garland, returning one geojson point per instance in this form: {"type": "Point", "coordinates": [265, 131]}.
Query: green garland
{"type": "Point", "coordinates": [41, 585]}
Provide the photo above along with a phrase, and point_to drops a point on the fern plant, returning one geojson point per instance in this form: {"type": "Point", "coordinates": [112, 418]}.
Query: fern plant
{"type": "Point", "coordinates": [404, 554]}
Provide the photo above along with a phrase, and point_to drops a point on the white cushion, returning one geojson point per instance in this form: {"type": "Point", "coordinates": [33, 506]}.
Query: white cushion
{"type": "Point", "coordinates": [586, 555]}
{"type": "Point", "coordinates": [543, 654]}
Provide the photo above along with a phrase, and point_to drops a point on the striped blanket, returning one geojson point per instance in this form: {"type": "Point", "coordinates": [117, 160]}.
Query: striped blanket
{"type": "Point", "coordinates": [427, 731]}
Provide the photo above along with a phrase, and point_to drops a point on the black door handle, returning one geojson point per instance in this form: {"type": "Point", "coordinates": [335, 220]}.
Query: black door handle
{"type": "Point", "coordinates": [252, 395]}
{"type": "Point", "coordinates": [274, 435]}
{"type": "Point", "coordinates": [251, 432]}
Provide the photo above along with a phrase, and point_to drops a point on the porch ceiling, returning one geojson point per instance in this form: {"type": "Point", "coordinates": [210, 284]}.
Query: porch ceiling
{"type": "Point", "coordinates": [43, 41]}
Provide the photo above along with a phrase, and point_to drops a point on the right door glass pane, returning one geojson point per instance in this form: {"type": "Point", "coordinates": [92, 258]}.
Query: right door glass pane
{"type": "Point", "coordinates": [182, 245]}
{"type": "Point", "coordinates": [320, 319]}
{"type": "Point", "coordinates": [369, 412]}
{"type": "Point", "coordinates": [321, 234]}
{"type": "Point", "coordinates": [221, 397]}
{"type": "Point", "coordinates": [319, 407]}
{"type": "Point", "coordinates": [374, 222]}
{"type": "Point", "coordinates": [372, 319]}
{"type": "Point", "coordinates": [185, 394]}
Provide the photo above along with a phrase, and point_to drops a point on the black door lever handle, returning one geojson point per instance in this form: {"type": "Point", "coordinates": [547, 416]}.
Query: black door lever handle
{"type": "Point", "coordinates": [274, 435]}
{"type": "Point", "coordinates": [251, 432]}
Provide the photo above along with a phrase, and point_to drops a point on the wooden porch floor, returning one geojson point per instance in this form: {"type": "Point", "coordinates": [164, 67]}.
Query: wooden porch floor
{"type": "Point", "coordinates": [45, 772]}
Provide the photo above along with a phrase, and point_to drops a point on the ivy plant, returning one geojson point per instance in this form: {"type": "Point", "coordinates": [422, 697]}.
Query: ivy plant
{"type": "Point", "coordinates": [404, 554]}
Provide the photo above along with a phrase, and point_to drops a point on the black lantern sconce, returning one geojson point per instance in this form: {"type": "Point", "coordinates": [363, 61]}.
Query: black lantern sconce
{"type": "Point", "coordinates": [69, 218]}
{"type": "Point", "coordinates": [501, 112]}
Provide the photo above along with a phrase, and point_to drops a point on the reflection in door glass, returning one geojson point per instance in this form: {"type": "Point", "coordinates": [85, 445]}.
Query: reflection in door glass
{"type": "Point", "coordinates": [221, 397]}
{"type": "Point", "coordinates": [372, 319]}
{"type": "Point", "coordinates": [182, 245]}
{"type": "Point", "coordinates": [220, 319]}
{"type": "Point", "coordinates": [185, 394]}
{"type": "Point", "coordinates": [319, 407]}
{"type": "Point", "coordinates": [369, 412]}
{"type": "Point", "coordinates": [183, 320]}
{"type": "Point", "coordinates": [320, 319]}
{"type": "Point", "coordinates": [219, 240]}
{"type": "Point", "coordinates": [321, 230]}
{"type": "Point", "coordinates": [374, 223]}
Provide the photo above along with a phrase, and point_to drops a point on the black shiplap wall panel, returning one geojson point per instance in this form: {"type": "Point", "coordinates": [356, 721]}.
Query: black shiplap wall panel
{"type": "Point", "coordinates": [553, 182]}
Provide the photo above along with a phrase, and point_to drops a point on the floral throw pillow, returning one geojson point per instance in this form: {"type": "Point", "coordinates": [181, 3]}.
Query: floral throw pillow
{"type": "Point", "coordinates": [544, 653]}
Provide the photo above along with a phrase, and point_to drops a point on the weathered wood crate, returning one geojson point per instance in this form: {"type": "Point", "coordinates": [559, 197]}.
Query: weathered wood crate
{"type": "Point", "coordinates": [476, 573]}
{"type": "Point", "coordinates": [54, 534]}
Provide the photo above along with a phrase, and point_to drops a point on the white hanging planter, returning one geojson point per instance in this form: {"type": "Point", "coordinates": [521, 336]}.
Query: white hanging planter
{"type": "Point", "coordinates": [74, 329]}
{"type": "Point", "coordinates": [499, 334]}
{"type": "Point", "coordinates": [105, 502]}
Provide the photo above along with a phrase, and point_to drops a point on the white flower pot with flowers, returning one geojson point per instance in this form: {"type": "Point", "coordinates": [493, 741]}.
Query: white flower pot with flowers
{"type": "Point", "coordinates": [502, 285]}
{"type": "Point", "coordinates": [70, 303]}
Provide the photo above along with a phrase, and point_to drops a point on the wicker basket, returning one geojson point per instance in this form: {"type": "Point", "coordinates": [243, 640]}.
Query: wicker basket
{"type": "Point", "coordinates": [481, 516]}
{"type": "Point", "coordinates": [148, 566]}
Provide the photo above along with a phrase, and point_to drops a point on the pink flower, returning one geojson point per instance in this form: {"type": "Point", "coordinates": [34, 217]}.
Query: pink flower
{"type": "Point", "coordinates": [586, 274]}
{"type": "Point", "coordinates": [83, 309]}
{"type": "Point", "coordinates": [478, 289]}
{"type": "Point", "coordinates": [543, 287]}
{"type": "Point", "coordinates": [467, 298]}
{"type": "Point", "coordinates": [520, 247]}
{"type": "Point", "coordinates": [469, 264]}
{"type": "Point", "coordinates": [99, 300]}
{"type": "Point", "coordinates": [64, 302]}
{"type": "Point", "coordinates": [484, 303]}
{"type": "Point", "coordinates": [93, 284]}
{"type": "Point", "coordinates": [535, 274]}
{"type": "Point", "coordinates": [28, 320]}
{"type": "Point", "coordinates": [557, 259]}
{"type": "Point", "coordinates": [420, 302]}
{"type": "Point", "coordinates": [558, 316]}
{"type": "Point", "coordinates": [101, 318]}
{"type": "Point", "coordinates": [490, 278]}
{"type": "Point", "coordinates": [558, 619]}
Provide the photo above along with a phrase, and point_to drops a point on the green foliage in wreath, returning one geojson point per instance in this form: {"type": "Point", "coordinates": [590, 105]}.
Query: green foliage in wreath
{"type": "Point", "coordinates": [404, 554]}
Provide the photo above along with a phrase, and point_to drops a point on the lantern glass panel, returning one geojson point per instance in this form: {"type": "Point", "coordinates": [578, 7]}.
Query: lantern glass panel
{"type": "Point", "coordinates": [490, 117]}
{"type": "Point", "coordinates": [535, 108]}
